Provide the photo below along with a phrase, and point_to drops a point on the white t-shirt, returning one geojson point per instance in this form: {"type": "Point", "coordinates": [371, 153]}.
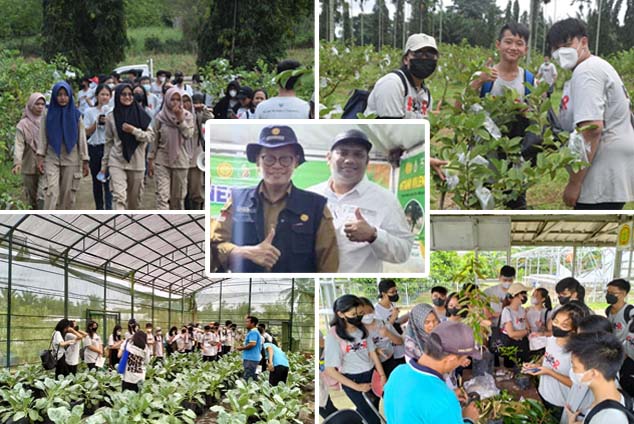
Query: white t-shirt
{"type": "Point", "coordinates": [389, 100]}
{"type": "Point", "coordinates": [283, 108]}
{"type": "Point", "coordinates": [210, 344]}
{"type": "Point", "coordinates": [537, 319]}
{"type": "Point", "coordinates": [580, 398]}
{"type": "Point", "coordinates": [610, 416]}
{"type": "Point", "coordinates": [349, 357]}
{"type": "Point", "coordinates": [384, 313]}
{"type": "Point", "coordinates": [90, 357]}
{"type": "Point", "coordinates": [111, 341]}
{"type": "Point", "coordinates": [72, 351]}
{"type": "Point", "coordinates": [556, 359]}
{"type": "Point", "coordinates": [496, 292]}
{"type": "Point", "coordinates": [135, 367]}
{"type": "Point", "coordinates": [620, 326]}
{"type": "Point", "coordinates": [517, 84]}
{"type": "Point", "coordinates": [548, 71]}
{"type": "Point", "coordinates": [596, 93]}
{"type": "Point", "coordinates": [158, 346]}
{"type": "Point", "coordinates": [517, 318]}
{"type": "Point", "coordinates": [57, 339]}
{"type": "Point", "coordinates": [82, 96]}
{"type": "Point", "coordinates": [90, 117]}
{"type": "Point", "coordinates": [382, 210]}
{"type": "Point", "coordinates": [228, 338]}
{"type": "Point", "coordinates": [384, 346]}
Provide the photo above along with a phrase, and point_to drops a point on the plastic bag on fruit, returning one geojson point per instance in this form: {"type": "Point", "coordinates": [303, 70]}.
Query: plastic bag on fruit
{"type": "Point", "coordinates": [484, 385]}
{"type": "Point", "coordinates": [489, 124]}
{"type": "Point", "coordinates": [578, 146]}
{"type": "Point", "coordinates": [484, 195]}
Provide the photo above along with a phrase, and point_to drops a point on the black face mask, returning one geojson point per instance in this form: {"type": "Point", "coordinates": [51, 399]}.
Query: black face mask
{"type": "Point", "coordinates": [453, 311]}
{"type": "Point", "coordinates": [438, 301]}
{"type": "Point", "coordinates": [524, 299]}
{"type": "Point", "coordinates": [394, 298]}
{"type": "Point", "coordinates": [138, 97]}
{"type": "Point", "coordinates": [558, 332]}
{"type": "Point", "coordinates": [356, 321]}
{"type": "Point", "coordinates": [564, 300]}
{"type": "Point", "coordinates": [178, 81]}
{"type": "Point", "coordinates": [611, 298]}
{"type": "Point", "coordinates": [422, 68]}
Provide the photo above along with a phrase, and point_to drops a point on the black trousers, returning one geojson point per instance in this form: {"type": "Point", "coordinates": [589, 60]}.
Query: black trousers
{"type": "Point", "coordinates": [522, 353]}
{"type": "Point", "coordinates": [100, 191]}
{"type": "Point", "coordinates": [357, 397]}
{"type": "Point", "coordinates": [72, 369]}
{"type": "Point", "coordinates": [390, 364]}
{"type": "Point", "coordinates": [327, 410]}
{"type": "Point", "coordinates": [279, 374]}
{"type": "Point", "coordinates": [61, 368]}
{"type": "Point", "coordinates": [599, 206]}
{"type": "Point", "coordinates": [129, 386]}
{"type": "Point", "coordinates": [625, 376]}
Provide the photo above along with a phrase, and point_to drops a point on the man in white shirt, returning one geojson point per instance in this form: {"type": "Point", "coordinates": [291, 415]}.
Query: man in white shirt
{"type": "Point", "coordinates": [286, 104]}
{"type": "Point", "coordinates": [369, 222]}
{"type": "Point", "coordinates": [548, 72]}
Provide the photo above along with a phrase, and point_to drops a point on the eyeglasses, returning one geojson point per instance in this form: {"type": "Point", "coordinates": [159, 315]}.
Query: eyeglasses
{"type": "Point", "coordinates": [270, 160]}
{"type": "Point", "coordinates": [423, 54]}
{"type": "Point", "coordinates": [127, 95]}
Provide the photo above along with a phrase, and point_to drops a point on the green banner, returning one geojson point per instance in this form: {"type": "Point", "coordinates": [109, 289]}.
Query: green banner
{"type": "Point", "coordinates": [411, 195]}
{"type": "Point", "coordinates": [231, 171]}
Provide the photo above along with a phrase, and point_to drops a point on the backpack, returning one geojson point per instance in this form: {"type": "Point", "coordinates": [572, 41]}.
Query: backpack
{"type": "Point", "coordinates": [528, 77]}
{"type": "Point", "coordinates": [358, 101]}
{"type": "Point", "coordinates": [612, 404]}
{"type": "Point", "coordinates": [627, 314]}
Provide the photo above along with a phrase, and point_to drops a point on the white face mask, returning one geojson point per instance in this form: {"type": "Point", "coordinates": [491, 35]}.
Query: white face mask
{"type": "Point", "coordinates": [162, 79]}
{"type": "Point", "coordinates": [111, 85]}
{"type": "Point", "coordinates": [232, 93]}
{"type": "Point", "coordinates": [567, 57]}
{"type": "Point", "coordinates": [506, 285]}
{"type": "Point", "coordinates": [535, 301]}
{"type": "Point", "coordinates": [367, 319]}
{"type": "Point", "coordinates": [577, 377]}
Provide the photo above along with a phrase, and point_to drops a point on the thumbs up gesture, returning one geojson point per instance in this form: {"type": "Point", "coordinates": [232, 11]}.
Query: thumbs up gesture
{"type": "Point", "coordinates": [491, 73]}
{"type": "Point", "coordinates": [264, 254]}
{"type": "Point", "coordinates": [359, 230]}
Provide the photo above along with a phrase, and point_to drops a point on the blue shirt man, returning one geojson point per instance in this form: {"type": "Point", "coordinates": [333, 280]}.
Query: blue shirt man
{"type": "Point", "coordinates": [251, 349]}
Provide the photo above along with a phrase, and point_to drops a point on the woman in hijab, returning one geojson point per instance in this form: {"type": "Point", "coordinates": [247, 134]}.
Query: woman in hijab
{"type": "Point", "coordinates": [128, 131]}
{"type": "Point", "coordinates": [63, 151]}
{"type": "Point", "coordinates": [174, 128]}
{"type": "Point", "coordinates": [27, 138]}
{"type": "Point", "coordinates": [422, 321]}
{"type": "Point", "coordinates": [195, 176]}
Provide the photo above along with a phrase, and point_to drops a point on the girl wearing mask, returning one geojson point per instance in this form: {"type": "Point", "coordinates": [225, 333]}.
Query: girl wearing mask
{"type": "Point", "coordinates": [27, 139]}
{"type": "Point", "coordinates": [114, 344]}
{"type": "Point", "coordinates": [59, 344]}
{"type": "Point", "coordinates": [455, 311]}
{"type": "Point", "coordinates": [537, 316]}
{"type": "Point", "coordinates": [171, 153]}
{"type": "Point", "coordinates": [383, 335]}
{"type": "Point", "coordinates": [158, 346]}
{"type": "Point", "coordinates": [350, 355]}
{"type": "Point", "coordinates": [196, 177]}
{"type": "Point", "coordinates": [94, 345]}
{"type": "Point", "coordinates": [569, 290]}
{"type": "Point", "coordinates": [138, 359]}
{"type": "Point", "coordinates": [128, 131]}
{"type": "Point", "coordinates": [513, 325]}
{"type": "Point", "coordinates": [554, 382]}
{"type": "Point", "coordinates": [141, 98]}
{"type": "Point", "coordinates": [72, 351]}
{"type": "Point", "coordinates": [63, 151]}
{"type": "Point", "coordinates": [95, 119]}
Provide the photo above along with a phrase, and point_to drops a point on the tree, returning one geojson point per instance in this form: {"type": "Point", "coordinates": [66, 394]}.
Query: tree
{"type": "Point", "coordinates": [508, 12]}
{"type": "Point", "coordinates": [627, 35]}
{"type": "Point", "coordinates": [92, 35]}
{"type": "Point", "coordinates": [244, 32]}
{"type": "Point", "coordinates": [516, 11]}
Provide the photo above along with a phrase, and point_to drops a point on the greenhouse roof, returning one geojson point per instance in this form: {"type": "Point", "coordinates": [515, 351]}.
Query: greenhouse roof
{"type": "Point", "coordinates": [164, 251]}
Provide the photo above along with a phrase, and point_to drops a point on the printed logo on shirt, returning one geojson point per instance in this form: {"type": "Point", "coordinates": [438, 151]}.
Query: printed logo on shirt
{"type": "Point", "coordinates": [424, 107]}
{"type": "Point", "coordinates": [564, 102]}
{"type": "Point", "coordinates": [519, 320]}
{"type": "Point", "coordinates": [618, 326]}
{"type": "Point", "coordinates": [630, 339]}
{"type": "Point", "coordinates": [135, 364]}
{"type": "Point", "coordinates": [552, 361]}
{"type": "Point", "coordinates": [355, 347]}
{"type": "Point", "coordinates": [410, 103]}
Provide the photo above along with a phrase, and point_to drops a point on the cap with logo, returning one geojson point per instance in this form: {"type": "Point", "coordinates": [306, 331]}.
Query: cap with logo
{"type": "Point", "coordinates": [354, 136]}
{"type": "Point", "coordinates": [273, 137]}
{"type": "Point", "coordinates": [419, 41]}
{"type": "Point", "coordinates": [457, 338]}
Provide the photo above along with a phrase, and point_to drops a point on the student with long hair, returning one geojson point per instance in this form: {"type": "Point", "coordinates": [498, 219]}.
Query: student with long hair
{"type": "Point", "coordinates": [95, 120]}
{"type": "Point", "coordinates": [94, 345]}
{"type": "Point", "coordinates": [513, 325]}
{"type": "Point", "coordinates": [114, 344]}
{"type": "Point", "coordinates": [27, 139]}
{"type": "Point", "coordinates": [59, 345]}
{"type": "Point", "coordinates": [72, 351]}
{"type": "Point", "coordinates": [350, 355]}
{"type": "Point", "coordinates": [138, 358]}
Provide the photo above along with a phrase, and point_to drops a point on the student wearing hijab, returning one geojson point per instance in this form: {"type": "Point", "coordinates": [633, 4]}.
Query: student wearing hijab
{"type": "Point", "coordinates": [141, 97]}
{"type": "Point", "coordinates": [63, 151]}
{"type": "Point", "coordinates": [27, 138]}
{"type": "Point", "coordinates": [128, 131]}
{"type": "Point", "coordinates": [196, 177]}
{"type": "Point", "coordinates": [171, 153]}
{"type": "Point", "coordinates": [422, 321]}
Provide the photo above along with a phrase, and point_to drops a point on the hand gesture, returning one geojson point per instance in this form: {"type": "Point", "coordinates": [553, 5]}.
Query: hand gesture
{"type": "Point", "coordinates": [179, 112]}
{"type": "Point", "coordinates": [127, 128]}
{"type": "Point", "coordinates": [16, 169]}
{"type": "Point", "coordinates": [265, 254]}
{"type": "Point", "coordinates": [359, 230]}
{"type": "Point", "coordinates": [436, 165]}
{"type": "Point", "coordinates": [491, 74]}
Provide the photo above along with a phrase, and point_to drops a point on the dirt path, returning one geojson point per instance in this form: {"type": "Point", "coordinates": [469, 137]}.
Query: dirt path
{"type": "Point", "coordinates": [86, 201]}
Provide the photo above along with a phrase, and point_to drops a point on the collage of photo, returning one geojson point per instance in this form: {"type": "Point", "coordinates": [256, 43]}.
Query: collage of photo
{"type": "Point", "coordinates": [316, 212]}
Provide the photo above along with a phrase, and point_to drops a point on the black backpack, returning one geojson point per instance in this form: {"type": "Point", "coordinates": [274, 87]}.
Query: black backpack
{"type": "Point", "coordinates": [358, 101]}
{"type": "Point", "coordinates": [626, 314]}
{"type": "Point", "coordinates": [612, 404]}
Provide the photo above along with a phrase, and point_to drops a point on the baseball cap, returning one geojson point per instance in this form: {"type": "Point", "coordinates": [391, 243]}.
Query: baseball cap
{"type": "Point", "coordinates": [419, 41]}
{"type": "Point", "coordinates": [245, 92]}
{"type": "Point", "coordinates": [517, 288]}
{"type": "Point", "coordinates": [272, 137]}
{"type": "Point", "coordinates": [457, 338]}
{"type": "Point", "coordinates": [355, 136]}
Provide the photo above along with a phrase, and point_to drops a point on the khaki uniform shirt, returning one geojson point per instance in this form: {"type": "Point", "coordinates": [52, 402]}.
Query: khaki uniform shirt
{"type": "Point", "coordinates": [159, 149]}
{"type": "Point", "coordinates": [326, 250]}
{"type": "Point", "coordinates": [72, 158]}
{"type": "Point", "coordinates": [113, 150]}
{"type": "Point", "coordinates": [24, 155]}
{"type": "Point", "coordinates": [199, 148]}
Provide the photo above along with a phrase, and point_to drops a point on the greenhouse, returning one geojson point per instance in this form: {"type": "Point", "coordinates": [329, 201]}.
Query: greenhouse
{"type": "Point", "coordinates": [109, 269]}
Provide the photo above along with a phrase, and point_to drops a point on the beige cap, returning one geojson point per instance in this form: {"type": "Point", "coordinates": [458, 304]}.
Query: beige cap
{"type": "Point", "coordinates": [419, 41]}
{"type": "Point", "coordinates": [517, 288]}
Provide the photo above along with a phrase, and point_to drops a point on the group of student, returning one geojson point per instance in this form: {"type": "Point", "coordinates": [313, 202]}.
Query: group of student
{"type": "Point", "coordinates": [587, 367]}
{"type": "Point", "coordinates": [595, 104]}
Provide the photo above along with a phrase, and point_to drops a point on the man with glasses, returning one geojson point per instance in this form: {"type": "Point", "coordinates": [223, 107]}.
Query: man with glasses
{"type": "Point", "coordinates": [370, 224]}
{"type": "Point", "coordinates": [402, 93]}
{"type": "Point", "coordinates": [274, 227]}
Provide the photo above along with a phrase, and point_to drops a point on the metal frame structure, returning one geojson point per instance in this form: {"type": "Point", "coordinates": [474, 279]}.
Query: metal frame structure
{"type": "Point", "coordinates": [158, 251]}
